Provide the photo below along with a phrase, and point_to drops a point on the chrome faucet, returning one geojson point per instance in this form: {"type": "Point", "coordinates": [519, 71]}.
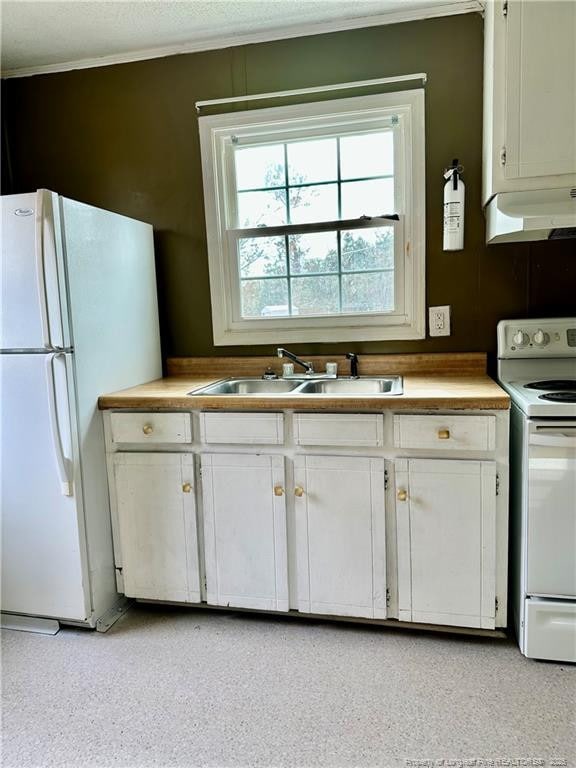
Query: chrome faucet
{"type": "Point", "coordinates": [308, 367]}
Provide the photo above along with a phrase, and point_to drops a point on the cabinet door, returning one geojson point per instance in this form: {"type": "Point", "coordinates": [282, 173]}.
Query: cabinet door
{"type": "Point", "coordinates": [445, 522]}
{"type": "Point", "coordinates": [245, 530]}
{"type": "Point", "coordinates": [157, 525]}
{"type": "Point", "coordinates": [340, 535]}
{"type": "Point", "coordinates": [540, 89]}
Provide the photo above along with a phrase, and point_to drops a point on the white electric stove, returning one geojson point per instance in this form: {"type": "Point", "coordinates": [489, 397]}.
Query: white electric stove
{"type": "Point", "coordinates": [537, 367]}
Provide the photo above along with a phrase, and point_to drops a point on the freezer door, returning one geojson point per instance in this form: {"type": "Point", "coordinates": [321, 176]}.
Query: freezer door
{"type": "Point", "coordinates": [32, 278]}
{"type": "Point", "coordinates": [43, 556]}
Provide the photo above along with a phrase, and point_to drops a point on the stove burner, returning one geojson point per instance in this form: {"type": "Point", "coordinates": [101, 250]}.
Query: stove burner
{"type": "Point", "coordinates": [559, 397]}
{"type": "Point", "coordinates": [558, 384]}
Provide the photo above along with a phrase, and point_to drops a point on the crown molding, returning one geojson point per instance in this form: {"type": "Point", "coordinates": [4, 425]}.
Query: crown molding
{"type": "Point", "coordinates": [453, 8]}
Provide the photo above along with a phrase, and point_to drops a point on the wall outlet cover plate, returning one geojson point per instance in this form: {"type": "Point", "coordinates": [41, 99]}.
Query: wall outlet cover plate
{"type": "Point", "coordinates": [439, 321]}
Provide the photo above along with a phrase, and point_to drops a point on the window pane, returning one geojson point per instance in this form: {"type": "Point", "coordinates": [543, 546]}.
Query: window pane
{"type": "Point", "coordinates": [265, 298]}
{"type": "Point", "coordinates": [373, 292]}
{"type": "Point", "coordinates": [257, 209]}
{"type": "Point", "coordinates": [258, 167]}
{"type": "Point", "coordinates": [371, 154]}
{"type": "Point", "coordinates": [367, 249]}
{"type": "Point", "coordinates": [310, 161]}
{"type": "Point", "coordinates": [316, 252]}
{"type": "Point", "coordinates": [315, 295]}
{"type": "Point", "coordinates": [367, 198]}
{"type": "Point", "coordinates": [262, 256]}
{"type": "Point", "coordinates": [314, 204]}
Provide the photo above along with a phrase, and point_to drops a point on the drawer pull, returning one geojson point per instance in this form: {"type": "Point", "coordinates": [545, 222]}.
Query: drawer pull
{"type": "Point", "coordinates": [299, 491]}
{"type": "Point", "coordinates": [147, 429]}
{"type": "Point", "coordinates": [278, 490]}
{"type": "Point", "coordinates": [186, 487]}
{"type": "Point", "coordinates": [443, 434]}
{"type": "Point", "coordinates": [402, 495]}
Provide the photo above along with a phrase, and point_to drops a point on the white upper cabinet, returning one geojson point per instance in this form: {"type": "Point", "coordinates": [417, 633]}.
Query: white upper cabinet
{"type": "Point", "coordinates": [529, 96]}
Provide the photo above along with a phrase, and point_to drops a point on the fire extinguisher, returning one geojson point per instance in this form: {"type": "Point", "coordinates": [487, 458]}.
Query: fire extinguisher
{"type": "Point", "coordinates": [454, 208]}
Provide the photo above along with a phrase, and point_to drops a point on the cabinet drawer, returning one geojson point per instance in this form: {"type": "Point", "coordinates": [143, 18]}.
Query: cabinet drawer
{"type": "Point", "coordinates": [550, 630]}
{"type": "Point", "coordinates": [447, 433]}
{"type": "Point", "coordinates": [151, 427]}
{"type": "Point", "coordinates": [250, 428]}
{"type": "Point", "coordinates": [338, 429]}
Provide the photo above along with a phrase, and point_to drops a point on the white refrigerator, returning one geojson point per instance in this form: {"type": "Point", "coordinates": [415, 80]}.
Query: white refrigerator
{"type": "Point", "coordinates": [79, 318]}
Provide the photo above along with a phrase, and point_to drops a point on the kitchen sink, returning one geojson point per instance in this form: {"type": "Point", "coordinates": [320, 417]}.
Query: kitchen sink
{"type": "Point", "coordinates": [391, 385]}
{"type": "Point", "coordinates": [250, 387]}
{"type": "Point", "coordinates": [381, 385]}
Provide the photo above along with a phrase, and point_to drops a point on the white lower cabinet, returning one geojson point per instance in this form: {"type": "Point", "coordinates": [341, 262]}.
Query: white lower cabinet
{"type": "Point", "coordinates": [340, 535]}
{"type": "Point", "coordinates": [245, 536]}
{"type": "Point", "coordinates": [325, 544]}
{"type": "Point", "coordinates": [156, 516]}
{"type": "Point", "coordinates": [446, 537]}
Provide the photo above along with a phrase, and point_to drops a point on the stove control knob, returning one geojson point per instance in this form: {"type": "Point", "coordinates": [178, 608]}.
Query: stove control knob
{"type": "Point", "coordinates": [521, 339]}
{"type": "Point", "coordinates": [541, 338]}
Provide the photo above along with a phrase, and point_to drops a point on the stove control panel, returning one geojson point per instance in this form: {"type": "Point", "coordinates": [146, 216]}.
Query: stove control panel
{"type": "Point", "coordinates": [540, 337]}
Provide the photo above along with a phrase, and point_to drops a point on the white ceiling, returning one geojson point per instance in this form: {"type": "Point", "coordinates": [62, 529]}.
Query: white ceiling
{"type": "Point", "coordinates": [51, 35]}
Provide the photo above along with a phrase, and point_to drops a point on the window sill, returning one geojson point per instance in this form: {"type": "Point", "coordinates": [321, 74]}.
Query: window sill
{"type": "Point", "coordinates": [278, 335]}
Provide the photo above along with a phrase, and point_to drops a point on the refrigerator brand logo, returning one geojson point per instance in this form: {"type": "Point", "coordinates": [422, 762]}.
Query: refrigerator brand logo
{"type": "Point", "coordinates": [23, 212]}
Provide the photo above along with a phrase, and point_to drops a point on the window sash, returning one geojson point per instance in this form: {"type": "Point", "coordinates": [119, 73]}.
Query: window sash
{"type": "Point", "coordinates": [392, 123]}
{"type": "Point", "coordinates": [287, 187]}
{"type": "Point", "coordinates": [387, 119]}
{"type": "Point", "coordinates": [234, 279]}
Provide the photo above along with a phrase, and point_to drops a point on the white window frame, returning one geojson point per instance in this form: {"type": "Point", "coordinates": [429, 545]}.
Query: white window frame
{"type": "Point", "coordinates": [219, 133]}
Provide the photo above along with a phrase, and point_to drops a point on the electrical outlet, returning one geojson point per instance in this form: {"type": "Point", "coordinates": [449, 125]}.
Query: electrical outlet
{"type": "Point", "coordinates": [439, 321]}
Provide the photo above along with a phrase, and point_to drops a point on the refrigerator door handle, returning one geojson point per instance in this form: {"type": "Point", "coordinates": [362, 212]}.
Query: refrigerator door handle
{"type": "Point", "coordinates": [41, 277]}
{"type": "Point", "coordinates": [61, 461]}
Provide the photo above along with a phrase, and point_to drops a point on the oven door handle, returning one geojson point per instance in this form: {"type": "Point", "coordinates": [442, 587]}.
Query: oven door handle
{"type": "Point", "coordinates": [555, 439]}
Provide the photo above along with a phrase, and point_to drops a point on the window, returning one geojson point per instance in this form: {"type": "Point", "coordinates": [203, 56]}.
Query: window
{"type": "Point", "coordinates": [315, 218]}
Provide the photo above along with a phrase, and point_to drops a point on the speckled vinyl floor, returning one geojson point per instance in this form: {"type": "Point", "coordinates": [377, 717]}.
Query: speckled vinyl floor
{"type": "Point", "coordinates": [175, 687]}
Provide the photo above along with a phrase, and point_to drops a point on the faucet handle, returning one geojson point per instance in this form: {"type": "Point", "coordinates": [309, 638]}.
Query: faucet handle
{"type": "Point", "coordinates": [353, 357]}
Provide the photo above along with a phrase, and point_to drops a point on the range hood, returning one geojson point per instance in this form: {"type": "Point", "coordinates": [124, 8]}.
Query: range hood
{"type": "Point", "coordinates": [543, 214]}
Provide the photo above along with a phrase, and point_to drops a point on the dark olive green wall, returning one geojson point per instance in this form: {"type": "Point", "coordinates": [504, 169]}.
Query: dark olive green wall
{"type": "Point", "coordinates": [126, 138]}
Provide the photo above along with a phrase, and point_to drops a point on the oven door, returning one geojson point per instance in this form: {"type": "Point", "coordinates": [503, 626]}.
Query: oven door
{"type": "Point", "coordinates": [551, 555]}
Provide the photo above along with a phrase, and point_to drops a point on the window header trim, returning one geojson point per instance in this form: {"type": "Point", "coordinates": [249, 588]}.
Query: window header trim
{"type": "Point", "coordinates": [422, 76]}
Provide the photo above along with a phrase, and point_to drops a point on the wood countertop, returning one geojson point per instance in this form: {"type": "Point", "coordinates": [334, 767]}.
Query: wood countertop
{"type": "Point", "coordinates": [431, 382]}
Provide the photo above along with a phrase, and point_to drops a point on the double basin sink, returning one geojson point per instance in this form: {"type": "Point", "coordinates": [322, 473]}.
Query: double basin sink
{"type": "Point", "coordinates": [377, 385]}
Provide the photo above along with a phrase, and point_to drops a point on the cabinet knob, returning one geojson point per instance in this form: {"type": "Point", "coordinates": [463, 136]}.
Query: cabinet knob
{"type": "Point", "coordinates": [299, 491]}
{"type": "Point", "coordinates": [402, 495]}
{"type": "Point", "coordinates": [443, 434]}
{"type": "Point", "coordinates": [278, 490]}
{"type": "Point", "coordinates": [186, 487]}
{"type": "Point", "coordinates": [147, 429]}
